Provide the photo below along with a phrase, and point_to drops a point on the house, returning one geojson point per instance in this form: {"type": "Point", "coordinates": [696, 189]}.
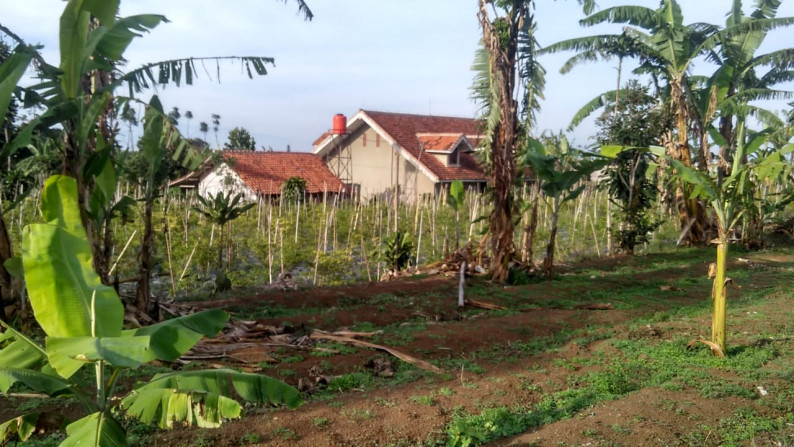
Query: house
{"type": "Point", "coordinates": [260, 174]}
{"type": "Point", "coordinates": [376, 152]}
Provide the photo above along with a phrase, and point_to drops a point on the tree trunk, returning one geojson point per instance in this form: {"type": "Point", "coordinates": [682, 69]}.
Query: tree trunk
{"type": "Point", "coordinates": [501, 45]}
{"type": "Point", "coordinates": [531, 227]}
{"type": "Point", "coordinates": [143, 294]}
{"type": "Point", "coordinates": [548, 261]}
{"type": "Point", "coordinates": [719, 293]}
{"type": "Point", "coordinates": [688, 209]}
{"type": "Point", "coordinates": [7, 294]}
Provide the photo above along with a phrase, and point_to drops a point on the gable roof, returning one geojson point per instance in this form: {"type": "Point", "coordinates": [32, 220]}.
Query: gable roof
{"type": "Point", "coordinates": [442, 143]}
{"type": "Point", "coordinates": [406, 130]}
{"type": "Point", "coordinates": [265, 172]}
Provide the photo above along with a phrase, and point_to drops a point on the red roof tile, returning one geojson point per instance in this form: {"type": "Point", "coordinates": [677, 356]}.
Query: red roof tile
{"type": "Point", "coordinates": [438, 142]}
{"type": "Point", "coordinates": [404, 129]}
{"type": "Point", "coordinates": [265, 172]}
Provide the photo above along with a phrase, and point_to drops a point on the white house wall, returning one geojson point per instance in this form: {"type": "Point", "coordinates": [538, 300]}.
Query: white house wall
{"type": "Point", "coordinates": [373, 167]}
{"type": "Point", "coordinates": [223, 178]}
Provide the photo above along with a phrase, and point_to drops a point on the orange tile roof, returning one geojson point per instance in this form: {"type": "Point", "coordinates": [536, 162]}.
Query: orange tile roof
{"type": "Point", "coordinates": [404, 129]}
{"type": "Point", "coordinates": [438, 142]}
{"type": "Point", "coordinates": [265, 172]}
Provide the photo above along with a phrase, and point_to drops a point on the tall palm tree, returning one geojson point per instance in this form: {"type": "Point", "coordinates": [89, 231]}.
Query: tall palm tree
{"type": "Point", "coordinates": [188, 117]}
{"type": "Point", "coordinates": [204, 128]}
{"type": "Point", "coordinates": [216, 123]}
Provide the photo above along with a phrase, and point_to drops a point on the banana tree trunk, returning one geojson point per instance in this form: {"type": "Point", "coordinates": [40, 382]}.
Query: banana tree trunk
{"type": "Point", "coordinates": [6, 292]}
{"type": "Point", "coordinates": [532, 225]}
{"type": "Point", "coordinates": [720, 293]}
{"type": "Point", "coordinates": [688, 209]}
{"type": "Point", "coordinates": [548, 261]}
{"type": "Point", "coordinates": [143, 294]}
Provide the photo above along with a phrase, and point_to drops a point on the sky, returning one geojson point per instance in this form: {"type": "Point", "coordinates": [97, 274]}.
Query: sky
{"type": "Point", "coordinates": [409, 56]}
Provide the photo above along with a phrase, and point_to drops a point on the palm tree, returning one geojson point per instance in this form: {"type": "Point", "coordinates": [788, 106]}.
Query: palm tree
{"type": "Point", "coordinates": [216, 122]}
{"type": "Point", "coordinates": [188, 117]}
{"type": "Point", "coordinates": [204, 128]}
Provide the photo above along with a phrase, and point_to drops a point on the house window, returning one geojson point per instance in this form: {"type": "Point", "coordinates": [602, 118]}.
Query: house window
{"type": "Point", "coordinates": [454, 158]}
{"type": "Point", "coordinates": [364, 139]}
{"type": "Point", "coordinates": [377, 140]}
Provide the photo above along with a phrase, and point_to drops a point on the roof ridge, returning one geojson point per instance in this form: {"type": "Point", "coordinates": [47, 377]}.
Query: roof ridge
{"type": "Point", "coordinates": [419, 115]}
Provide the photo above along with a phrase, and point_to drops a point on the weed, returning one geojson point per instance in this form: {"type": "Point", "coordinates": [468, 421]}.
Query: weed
{"type": "Point", "coordinates": [321, 422]}
{"type": "Point", "coordinates": [249, 438]}
{"type": "Point", "coordinates": [445, 392]}
{"type": "Point", "coordinates": [424, 400]}
{"type": "Point", "coordinates": [286, 434]}
{"type": "Point", "coordinates": [292, 359]}
{"type": "Point", "coordinates": [617, 428]}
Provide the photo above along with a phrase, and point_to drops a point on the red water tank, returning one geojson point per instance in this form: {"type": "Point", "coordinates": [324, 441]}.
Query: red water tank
{"type": "Point", "coordinates": [340, 124]}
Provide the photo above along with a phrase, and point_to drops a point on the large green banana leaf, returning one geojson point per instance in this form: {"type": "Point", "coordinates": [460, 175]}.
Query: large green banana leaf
{"type": "Point", "coordinates": [171, 339]}
{"type": "Point", "coordinates": [67, 296]}
{"type": "Point", "coordinates": [225, 382]}
{"type": "Point", "coordinates": [95, 430]}
{"type": "Point", "coordinates": [67, 355]}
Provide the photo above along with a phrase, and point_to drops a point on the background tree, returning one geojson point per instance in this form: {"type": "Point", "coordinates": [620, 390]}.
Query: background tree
{"type": "Point", "coordinates": [560, 170]}
{"type": "Point", "coordinates": [240, 139]}
{"type": "Point", "coordinates": [204, 128]}
{"type": "Point", "coordinates": [188, 117]}
{"type": "Point", "coordinates": [637, 122]}
{"type": "Point", "coordinates": [216, 123]}
{"type": "Point", "coordinates": [173, 116]}
{"type": "Point", "coordinates": [293, 189]}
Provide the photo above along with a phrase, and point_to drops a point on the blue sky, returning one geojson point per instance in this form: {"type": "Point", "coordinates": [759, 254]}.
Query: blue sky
{"type": "Point", "coordinates": [410, 56]}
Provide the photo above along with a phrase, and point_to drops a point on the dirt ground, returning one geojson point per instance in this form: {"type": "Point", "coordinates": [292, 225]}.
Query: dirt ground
{"type": "Point", "coordinates": [405, 414]}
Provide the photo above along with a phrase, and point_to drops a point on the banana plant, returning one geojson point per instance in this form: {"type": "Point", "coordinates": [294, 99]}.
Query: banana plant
{"type": "Point", "coordinates": [83, 323]}
{"type": "Point", "coordinates": [729, 198]}
{"type": "Point", "coordinates": [455, 200]}
{"type": "Point", "coordinates": [222, 209]}
{"type": "Point", "coordinates": [560, 169]}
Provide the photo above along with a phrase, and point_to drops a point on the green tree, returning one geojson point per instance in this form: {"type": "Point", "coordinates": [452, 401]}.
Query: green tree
{"type": "Point", "coordinates": [174, 116]}
{"type": "Point", "coordinates": [293, 189]}
{"type": "Point", "coordinates": [204, 128]}
{"type": "Point", "coordinates": [560, 169]}
{"type": "Point", "coordinates": [216, 123]}
{"type": "Point", "coordinates": [188, 117]}
{"type": "Point", "coordinates": [637, 122]}
{"type": "Point", "coordinates": [240, 139]}
{"type": "Point", "coordinates": [667, 48]}
{"type": "Point", "coordinates": [728, 198]}
{"type": "Point", "coordinates": [79, 97]}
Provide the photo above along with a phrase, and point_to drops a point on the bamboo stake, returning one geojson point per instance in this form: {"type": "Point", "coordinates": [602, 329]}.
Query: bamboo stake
{"type": "Point", "coordinates": [297, 219]}
{"type": "Point", "coordinates": [123, 250]}
{"type": "Point", "coordinates": [366, 261]}
{"type": "Point", "coordinates": [419, 237]}
{"type": "Point", "coordinates": [189, 258]}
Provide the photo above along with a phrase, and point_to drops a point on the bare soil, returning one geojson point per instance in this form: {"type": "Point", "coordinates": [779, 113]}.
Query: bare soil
{"type": "Point", "coordinates": [411, 413]}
